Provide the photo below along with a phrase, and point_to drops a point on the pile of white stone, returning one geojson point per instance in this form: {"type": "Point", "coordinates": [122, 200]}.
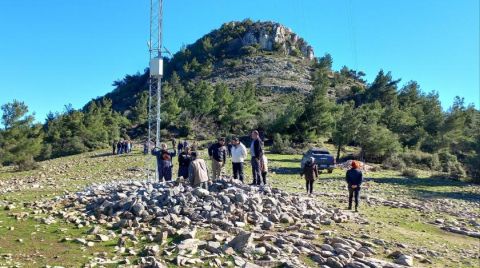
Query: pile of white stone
{"type": "Point", "coordinates": [231, 224]}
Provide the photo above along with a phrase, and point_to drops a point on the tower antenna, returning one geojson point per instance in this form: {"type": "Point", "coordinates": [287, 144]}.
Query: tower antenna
{"type": "Point", "coordinates": [156, 70]}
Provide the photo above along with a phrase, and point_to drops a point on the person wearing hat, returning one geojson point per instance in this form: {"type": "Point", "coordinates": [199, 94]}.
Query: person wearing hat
{"type": "Point", "coordinates": [198, 172]}
{"type": "Point", "coordinates": [310, 171]}
{"type": "Point", "coordinates": [354, 179]}
{"type": "Point", "coordinates": [218, 154]}
{"type": "Point", "coordinates": [239, 153]}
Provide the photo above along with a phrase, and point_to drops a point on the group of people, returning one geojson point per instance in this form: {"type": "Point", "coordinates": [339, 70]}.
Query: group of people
{"type": "Point", "coordinates": [219, 152]}
{"type": "Point", "coordinates": [354, 178]}
{"type": "Point", "coordinates": [193, 168]}
{"type": "Point", "coordinates": [122, 147]}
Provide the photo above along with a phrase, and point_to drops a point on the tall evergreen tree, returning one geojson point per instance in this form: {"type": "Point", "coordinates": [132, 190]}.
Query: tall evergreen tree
{"type": "Point", "coordinates": [20, 141]}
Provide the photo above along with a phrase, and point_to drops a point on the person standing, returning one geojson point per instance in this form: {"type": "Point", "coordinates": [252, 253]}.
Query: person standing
{"type": "Point", "coordinates": [310, 171]}
{"type": "Point", "coordinates": [194, 146]}
{"type": "Point", "coordinates": [354, 179]}
{"type": "Point", "coordinates": [256, 151]}
{"type": "Point", "coordinates": [239, 153]}
{"type": "Point", "coordinates": [114, 146]}
{"type": "Point", "coordinates": [198, 172]}
{"type": "Point", "coordinates": [229, 148]}
{"type": "Point", "coordinates": [264, 168]}
{"type": "Point", "coordinates": [124, 146]}
{"type": "Point", "coordinates": [129, 146]}
{"type": "Point", "coordinates": [119, 147]}
{"type": "Point", "coordinates": [146, 147]}
{"type": "Point", "coordinates": [180, 148]}
{"type": "Point", "coordinates": [164, 162]}
{"type": "Point", "coordinates": [184, 160]}
{"type": "Point", "coordinates": [218, 154]}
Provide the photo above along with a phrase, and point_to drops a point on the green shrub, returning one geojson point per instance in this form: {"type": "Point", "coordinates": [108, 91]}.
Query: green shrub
{"type": "Point", "coordinates": [281, 145]}
{"type": "Point", "coordinates": [394, 162]}
{"type": "Point", "coordinates": [409, 172]}
{"type": "Point", "coordinates": [27, 164]}
{"type": "Point", "coordinates": [451, 166]}
{"type": "Point", "coordinates": [248, 50]}
{"type": "Point", "coordinates": [420, 160]}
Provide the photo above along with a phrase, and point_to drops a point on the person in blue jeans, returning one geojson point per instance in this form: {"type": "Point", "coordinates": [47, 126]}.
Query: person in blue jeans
{"type": "Point", "coordinates": [354, 179]}
{"type": "Point", "coordinates": [164, 162]}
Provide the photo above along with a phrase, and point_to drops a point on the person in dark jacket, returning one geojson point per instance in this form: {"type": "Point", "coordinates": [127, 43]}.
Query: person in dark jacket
{"type": "Point", "coordinates": [218, 154]}
{"type": "Point", "coordinates": [119, 147]}
{"type": "Point", "coordinates": [256, 151]}
{"type": "Point", "coordinates": [114, 147]}
{"type": "Point", "coordinates": [184, 160]}
{"type": "Point", "coordinates": [146, 147]}
{"type": "Point", "coordinates": [180, 148]}
{"type": "Point", "coordinates": [310, 171]}
{"type": "Point", "coordinates": [354, 179]}
{"type": "Point", "coordinates": [164, 162]}
{"type": "Point", "coordinates": [124, 147]}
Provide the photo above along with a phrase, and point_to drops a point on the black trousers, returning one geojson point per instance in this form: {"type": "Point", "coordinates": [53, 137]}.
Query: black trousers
{"type": "Point", "coordinates": [351, 193]}
{"type": "Point", "coordinates": [238, 171]}
{"type": "Point", "coordinates": [256, 172]}
{"type": "Point", "coordinates": [309, 184]}
{"type": "Point", "coordinates": [264, 177]}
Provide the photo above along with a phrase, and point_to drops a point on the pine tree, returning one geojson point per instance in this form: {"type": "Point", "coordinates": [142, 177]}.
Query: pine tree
{"type": "Point", "coordinates": [346, 127]}
{"type": "Point", "coordinates": [21, 140]}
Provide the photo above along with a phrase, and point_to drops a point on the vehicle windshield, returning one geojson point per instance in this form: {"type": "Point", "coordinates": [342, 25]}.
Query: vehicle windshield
{"type": "Point", "coordinates": [320, 152]}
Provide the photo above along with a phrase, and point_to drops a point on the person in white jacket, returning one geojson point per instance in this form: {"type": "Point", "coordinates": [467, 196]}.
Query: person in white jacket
{"type": "Point", "coordinates": [239, 153]}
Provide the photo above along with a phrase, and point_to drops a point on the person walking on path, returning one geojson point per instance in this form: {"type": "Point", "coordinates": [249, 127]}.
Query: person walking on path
{"type": "Point", "coordinates": [184, 160]}
{"type": "Point", "coordinates": [198, 172]}
{"type": "Point", "coordinates": [264, 168]}
{"type": "Point", "coordinates": [239, 153]}
{"type": "Point", "coordinates": [354, 179]}
{"type": "Point", "coordinates": [310, 171]}
{"type": "Point", "coordinates": [218, 154]}
{"type": "Point", "coordinates": [256, 151]}
{"type": "Point", "coordinates": [114, 147]}
{"type": "Point", "coordinates": [164, 162]}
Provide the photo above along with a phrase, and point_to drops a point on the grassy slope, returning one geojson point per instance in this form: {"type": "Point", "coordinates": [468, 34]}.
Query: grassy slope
{"type": "Point", "coordinates": [42, 243]}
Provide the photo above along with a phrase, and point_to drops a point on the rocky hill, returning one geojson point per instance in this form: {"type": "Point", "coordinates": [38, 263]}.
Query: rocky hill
{"type": "Point", "coordinates": [267, 54]}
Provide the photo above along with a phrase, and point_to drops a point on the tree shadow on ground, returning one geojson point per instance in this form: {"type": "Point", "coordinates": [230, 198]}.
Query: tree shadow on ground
{"type": "Point", "coordinates": [413, 183]}
{"type": "Point", "coordinates": [466, 196]}
{"type": "Point", "coordinates": [101, 155]}
{"type": "Point", "coordinates": [288, 160]}
{"type": "Point", "coordinates": [288, 171]}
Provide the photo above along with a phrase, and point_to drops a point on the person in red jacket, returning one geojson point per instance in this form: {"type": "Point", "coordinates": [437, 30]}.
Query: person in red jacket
{"type": "Point", "coordinates": [354, 179]}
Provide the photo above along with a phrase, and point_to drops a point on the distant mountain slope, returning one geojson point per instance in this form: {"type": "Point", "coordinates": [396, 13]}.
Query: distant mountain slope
{"type": "Point", "coordinates": [266, 54]}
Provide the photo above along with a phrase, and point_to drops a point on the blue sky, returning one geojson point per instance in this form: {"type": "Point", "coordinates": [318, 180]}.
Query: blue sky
{"type": "Point", "coordinates": [55, 52]}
